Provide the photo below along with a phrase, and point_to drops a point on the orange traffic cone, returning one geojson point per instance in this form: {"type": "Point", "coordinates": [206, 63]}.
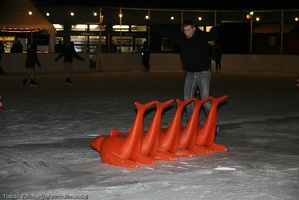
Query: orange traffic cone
{"type": "Point", "coordinates": [297, 82]}
{"type": "Point", "coordinates": [1, 107]}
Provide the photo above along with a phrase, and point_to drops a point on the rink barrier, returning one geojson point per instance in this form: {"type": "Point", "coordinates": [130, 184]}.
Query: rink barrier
{"type": "Point", "coordinates": [147, 147]}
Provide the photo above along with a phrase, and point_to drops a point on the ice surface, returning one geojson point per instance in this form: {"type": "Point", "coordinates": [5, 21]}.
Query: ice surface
{"type": "Point", "coordinates": [45, 135]}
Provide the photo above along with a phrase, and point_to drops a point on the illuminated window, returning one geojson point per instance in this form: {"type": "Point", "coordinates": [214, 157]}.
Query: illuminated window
{"type": "Point", "coordinates": [95, 40]}
{"type": "Point", "coordinates": [208, 28]}
{"type": "Point", "coordinates": [122, 44]}
{"type": "Point", "coordinates": [136, 28]}
{"type": "Point", "coordinates": [58, 27]}
{"type": "Point", "coordinates": [92, 27]}
{"type": "Point", "coordinates": [94, 43]}
{"type": "Point", "coordinates": [124, 28]}
{"type": "Point", "coordinates": [125, 40]}
{"type": "Point", "coordinates": [80, 42]}
{"type": "Point", "coordinates": [201, 28]}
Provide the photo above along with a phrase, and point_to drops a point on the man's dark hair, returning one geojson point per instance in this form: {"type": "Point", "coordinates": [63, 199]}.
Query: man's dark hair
{"type": "Point", "coordinates": [188, 22]}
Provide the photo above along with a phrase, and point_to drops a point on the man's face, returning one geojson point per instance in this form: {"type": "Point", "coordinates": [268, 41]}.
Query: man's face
{"type": "Point", "coordinates": [189, 31]}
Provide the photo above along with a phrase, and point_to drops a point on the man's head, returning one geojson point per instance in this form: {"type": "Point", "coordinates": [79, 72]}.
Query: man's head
{"type": "Point", "coordinates": [189, 28]}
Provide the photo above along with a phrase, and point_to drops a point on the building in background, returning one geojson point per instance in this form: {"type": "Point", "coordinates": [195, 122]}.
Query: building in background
{"type": "Point", "coordinates": [123, 30]}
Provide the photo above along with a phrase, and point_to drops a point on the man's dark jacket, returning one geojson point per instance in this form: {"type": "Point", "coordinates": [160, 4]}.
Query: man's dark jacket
{"type": "Point", "coordinates": [194, 51]}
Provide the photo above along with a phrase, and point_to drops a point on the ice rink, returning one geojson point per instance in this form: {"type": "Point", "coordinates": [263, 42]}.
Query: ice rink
{"type": "Point", "coordinates": [46, 131]}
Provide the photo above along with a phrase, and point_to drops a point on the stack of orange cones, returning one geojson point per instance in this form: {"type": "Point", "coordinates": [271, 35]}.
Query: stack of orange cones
{"type": "Point", "coordinates": [139, 146]}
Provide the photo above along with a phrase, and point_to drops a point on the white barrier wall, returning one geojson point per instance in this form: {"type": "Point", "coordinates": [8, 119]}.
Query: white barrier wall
{"type": "Point", "coordinates": [121, 62]}
{"type": "Point", "coordinates": [265, 63]}
{"type": "Point", "coordinates": [133, 62]}
{"type": "Point", "coordinates": [230, 62]}
{"type": "Point", "coordinates": [14, 63]}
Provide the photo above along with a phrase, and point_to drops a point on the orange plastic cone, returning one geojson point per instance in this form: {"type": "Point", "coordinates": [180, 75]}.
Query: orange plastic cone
{"type": "Point", "coordinates": [150, 140]}
{"type": "Point", "coordinates": [1, 107]}
{"type": "Point", "coordinates": [297, 82]}
{"type": "Point", "coordinates": [122, 149]}
{"type": "Point", "coordinates": [206, 135]}
{"type": "Point", "coordinates": [188, 133]}
{"type": "Point", "coordinates": [169, 137]}
{"type": "Point", "coordinates": [211, 137]}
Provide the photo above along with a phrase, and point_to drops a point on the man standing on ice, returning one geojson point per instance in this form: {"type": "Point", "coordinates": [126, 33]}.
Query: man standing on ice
{"type": "Point", "coordinates": [193, 44]}
{"type": "Point", "coordinates": [68, 54]}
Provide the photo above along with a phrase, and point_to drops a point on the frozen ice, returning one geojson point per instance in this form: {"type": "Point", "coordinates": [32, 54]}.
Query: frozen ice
{"type": "Point", "coordinates": [46, 133]}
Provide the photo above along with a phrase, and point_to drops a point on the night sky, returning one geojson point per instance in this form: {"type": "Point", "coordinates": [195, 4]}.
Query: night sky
{"type": "Point", "coordinates": [190, 4]}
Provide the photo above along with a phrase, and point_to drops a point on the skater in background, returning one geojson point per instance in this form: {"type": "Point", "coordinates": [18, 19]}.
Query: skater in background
{"type": "Point", "coordinates": [68, 54]}
{"type": "Point", "coordinates": [30, 63]}
{"type": "Point", "coordinates": [217, 57]}
{"type": "Point", "coordinates": [145, 52]}
{"type": "Point", "coordinates": [1, 51]}
{"type": "Point", "coordinates": [193, 44]}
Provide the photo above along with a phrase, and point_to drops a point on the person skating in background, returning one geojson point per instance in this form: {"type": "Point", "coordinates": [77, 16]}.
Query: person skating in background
{"type": "Point", "coordinates": [217, 58]}
{"type": "Point", "coordinates": [193, 44]}
{"type": "Point", "coordinates": [145, 52]}
{"type": "Point", "coordinates": [30, 63]}
{"type": "Point", "coordinates": [68, 54]}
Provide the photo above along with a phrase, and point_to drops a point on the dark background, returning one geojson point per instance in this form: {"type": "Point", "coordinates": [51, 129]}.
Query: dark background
{"type": "Point", "coordinates": [192, 4]}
